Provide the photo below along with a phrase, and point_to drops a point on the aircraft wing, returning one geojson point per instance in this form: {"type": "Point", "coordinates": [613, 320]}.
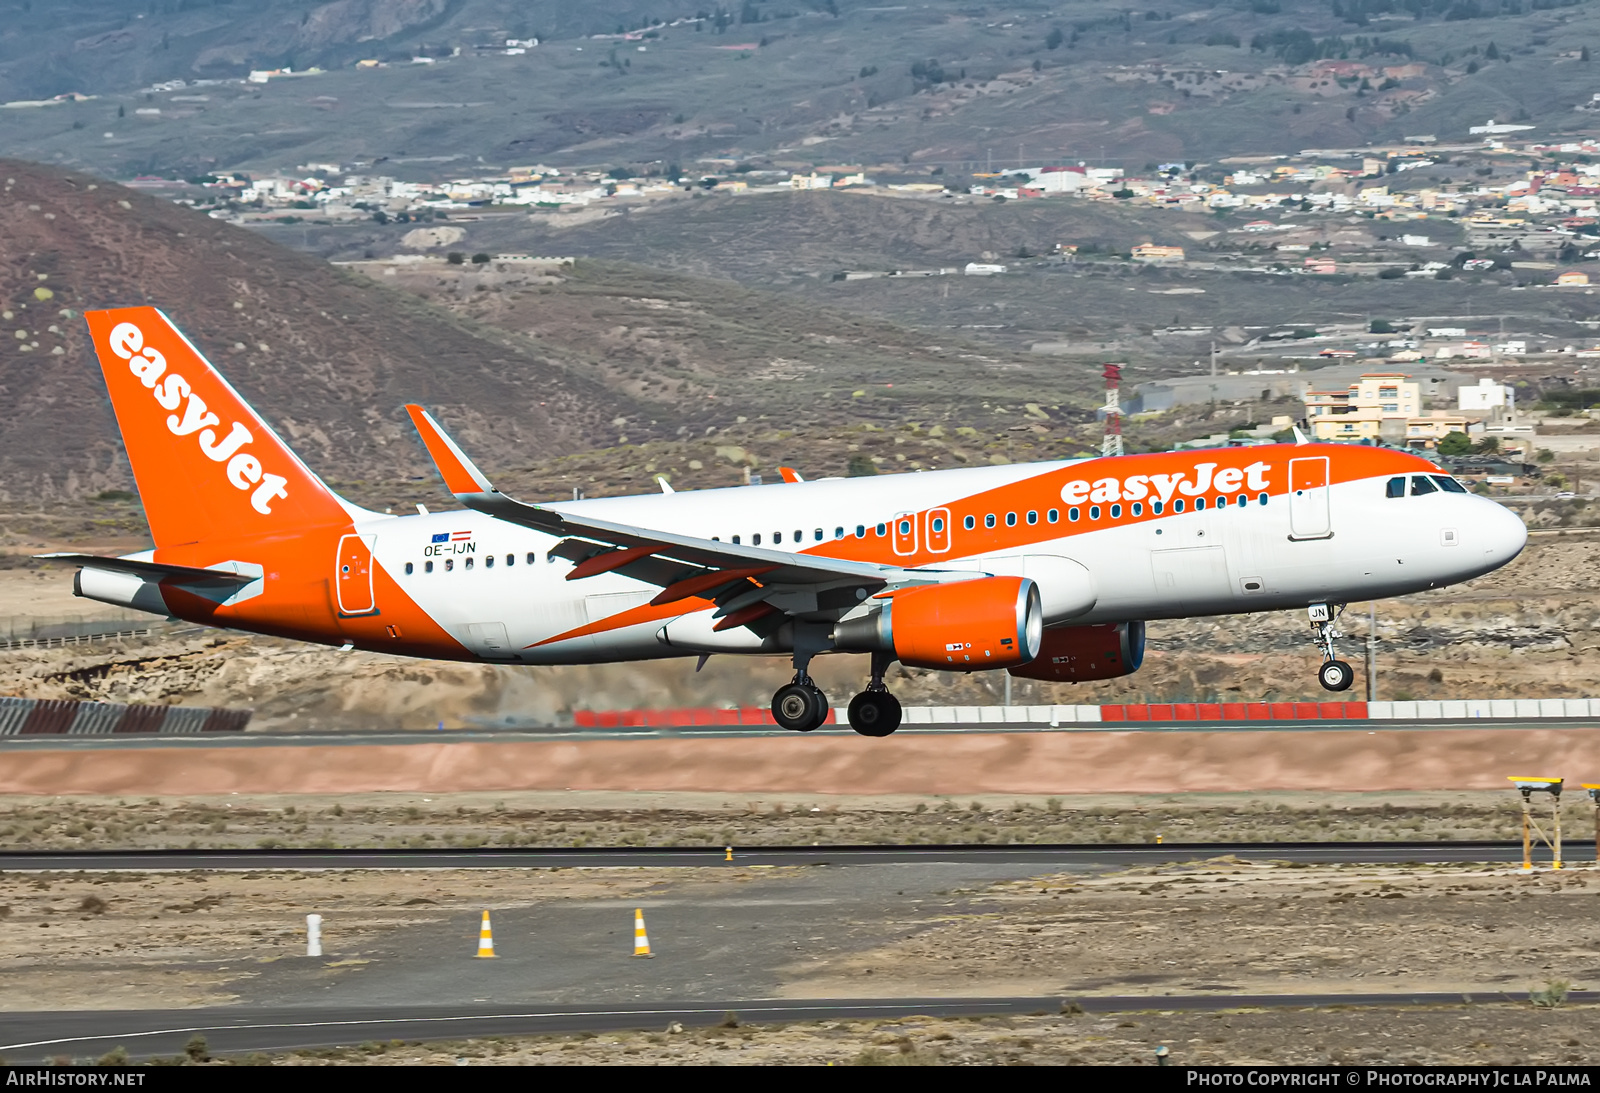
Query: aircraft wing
{"type": "Point", "coordinates": [742, 580]}
{"type": "Point", "coordinates": [187, 574]}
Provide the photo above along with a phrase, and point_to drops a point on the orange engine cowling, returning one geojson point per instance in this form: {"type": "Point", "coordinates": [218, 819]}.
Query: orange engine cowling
{"type": "Point", "coordinates": [1077, 654]}
{"type": "Point", "coordinates": [967, 626]}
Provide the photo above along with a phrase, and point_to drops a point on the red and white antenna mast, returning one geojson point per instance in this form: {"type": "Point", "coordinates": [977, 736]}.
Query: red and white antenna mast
{"type": "Point", "coordinates": [1111, 443]}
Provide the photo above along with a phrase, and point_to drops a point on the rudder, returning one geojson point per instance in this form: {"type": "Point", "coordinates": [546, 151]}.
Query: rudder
{"type": "Point", "coordinates": [206, 465]}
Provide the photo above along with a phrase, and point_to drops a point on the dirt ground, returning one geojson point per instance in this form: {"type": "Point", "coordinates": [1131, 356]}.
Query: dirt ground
{"type": "Point", "coordinates": [1529, 629]}
{"type": "Point", "coordinates": [1506, 1034]}
{"type": "Point", "coordinates": [635, 819]}
{"type": "Point", "coordinates": [132, 940]}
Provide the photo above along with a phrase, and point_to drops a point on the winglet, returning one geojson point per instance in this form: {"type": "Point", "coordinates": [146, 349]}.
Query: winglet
{"type": "Point", "coordinates": [459, 474]}
{"type": "Point", "coordinates": [1299, 437]}
{"type": "Point", "coordinates": [789, 474]}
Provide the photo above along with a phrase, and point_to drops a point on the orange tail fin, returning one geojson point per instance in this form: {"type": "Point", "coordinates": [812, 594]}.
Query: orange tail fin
{"type": "Point", "coordinates": [206, 464]}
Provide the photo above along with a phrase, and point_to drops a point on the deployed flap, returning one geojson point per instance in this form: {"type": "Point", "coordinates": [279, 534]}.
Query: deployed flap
{"type": "Point", "coordinates": [156, 570]}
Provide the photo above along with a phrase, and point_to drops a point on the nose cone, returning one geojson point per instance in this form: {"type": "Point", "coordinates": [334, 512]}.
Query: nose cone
{"type": "Point", "coordinates": [1496, 534]}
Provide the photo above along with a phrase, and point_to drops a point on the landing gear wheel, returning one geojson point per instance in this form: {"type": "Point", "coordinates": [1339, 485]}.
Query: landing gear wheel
{"type": "Point", "coordinates": [1336, 675]}
{"type": "Point", "coordinates": [874, 713]}
{"type": "Point", "coordinates": [799, 707]}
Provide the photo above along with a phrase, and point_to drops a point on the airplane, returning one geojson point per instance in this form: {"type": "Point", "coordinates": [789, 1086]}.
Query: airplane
{"type": "Point", "coordinates": [1047, 570]}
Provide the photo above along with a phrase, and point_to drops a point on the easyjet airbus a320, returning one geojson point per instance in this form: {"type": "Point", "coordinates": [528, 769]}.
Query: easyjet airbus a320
{"type": "Point", "coordinates": [1045, 570]}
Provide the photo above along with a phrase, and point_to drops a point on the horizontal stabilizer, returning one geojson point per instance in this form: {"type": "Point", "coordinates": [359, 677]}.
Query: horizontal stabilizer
{"type": "Point", "coordinates": [187, 574]}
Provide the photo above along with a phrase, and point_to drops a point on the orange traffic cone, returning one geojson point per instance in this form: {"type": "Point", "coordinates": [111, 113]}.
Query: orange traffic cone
{"type": "Point", "coordinates": [641, 941]}
{"type": "Point", "coordinates": [485, 939]}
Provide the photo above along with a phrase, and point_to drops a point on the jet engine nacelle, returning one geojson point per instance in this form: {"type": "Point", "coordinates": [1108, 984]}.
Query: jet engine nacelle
{"type": "Point", "coordinates": [966, 626]}
{"type": "Point", "coordinates": [1077, 654]}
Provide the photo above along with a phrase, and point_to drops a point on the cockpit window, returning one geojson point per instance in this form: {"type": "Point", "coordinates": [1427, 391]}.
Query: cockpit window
{"type": "Point", "coordinates": [1447, 484]}
{"type": "Point", "coordinates": [1397, 487]}
{"type": "Point", "coordinates": [1421, 484]}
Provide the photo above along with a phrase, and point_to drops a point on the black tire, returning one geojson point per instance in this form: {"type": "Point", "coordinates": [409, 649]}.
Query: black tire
{"type": "Point", "coordinates": [875, 713]}
{"type": "Point", "coordinates": [1336, 675]}
{"type": "Point", "coordinates": [799, 708]}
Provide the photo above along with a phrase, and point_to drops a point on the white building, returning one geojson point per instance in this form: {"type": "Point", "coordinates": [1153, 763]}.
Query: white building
{"type": "Point", "coordinates": [983, 269]}
{"type": "Point", "coordinates": [1487, 395]}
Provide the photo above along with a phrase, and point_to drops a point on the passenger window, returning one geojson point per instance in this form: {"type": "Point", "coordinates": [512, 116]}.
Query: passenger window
{"type": "Point", "coordinates": [532, 557]}
{"type": "Point", "coordinates": [1244, 499]}
{"type": "Point", "coordinates": [838, 533]}
{"type": "Point", "coordinates": [969, 522]}
{"type": "Point", "coordinates": [905, 527]}
{"type": "Point", "coordinates": [988, 520]}
{"type": "Point", "coordinates": [1053, 515]}
{"type": "Point", "coordinates": [817, 535]}
{"type": "Point", "coordinates": [1011, 519]}
{"type": "Point", "coordinates": [1199, 504]}
{"type": "Point", "coordinates": [937, 524]}
{"type": "Point", "coordinates": [735, 540]}
{"type": "Point", "coordinates": [1138, 508]}
{"type": "Point", "coordinates": [449, 564]}
{"type": "Point", "coordinates": [1448, 484]}
{"type": "Point", "coordinates": [427, 567]}
{"type": "Point", "coordinates": [1072, 516]}
{"type": "Point", "coordinates": [488, 563]}
{"type": "Point", "coordinates": [1116, 512]}
{"type": "Point", "coordinates": [1222, 502]}
{"type": "Point", "coordinates": [409, 568]}
{"type": "Point", "coordinates": [1156, 507]}
{"type": "Point", "coordinates": [1033, 517]}
{"type": "Point", "coordinates": [755, 540]}
{"type": "Point", "coordinates": [1177, 506]}
{"type": "Point", "coordinates": [881, 530]}
{"type": "Point", "coordinates": [1396, 487]}
{"type": "Point", "coordinates": [1262, 498]}
{"type": "Point", "coordinates": [469, 563]}
{"type": "Point", "coordinates": [1420, 485]}
{"type": "Point", "coordinates": [800, 536]}
{"type": "Point", "coordinates": [1094, 512]}
{"type": "Point", "coordinates": [861, 531]}
{"type": "Point", "coordinates": [511, 559]}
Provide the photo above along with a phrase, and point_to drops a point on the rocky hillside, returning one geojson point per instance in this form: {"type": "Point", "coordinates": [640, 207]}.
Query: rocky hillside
{"type": "Point", "coordinates": [327, 356]}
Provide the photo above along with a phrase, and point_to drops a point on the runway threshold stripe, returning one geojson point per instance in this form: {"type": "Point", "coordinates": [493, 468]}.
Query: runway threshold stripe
{"type": "Point", "coordinates": [255, 1034]}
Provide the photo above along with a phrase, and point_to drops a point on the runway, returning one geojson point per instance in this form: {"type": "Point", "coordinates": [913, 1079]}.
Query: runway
{"type": "Point", "coordinates": [525, 735]}
{"type": "Point", "coordinates": [36, 1037]}
{"type": "Point", "coordinates": [1102, 855]}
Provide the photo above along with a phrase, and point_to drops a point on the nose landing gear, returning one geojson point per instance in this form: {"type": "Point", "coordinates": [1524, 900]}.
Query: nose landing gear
{"type": "Point", "coordinates": [876, 712]}
{"type": "Point", "coordinates": [1335, 674]}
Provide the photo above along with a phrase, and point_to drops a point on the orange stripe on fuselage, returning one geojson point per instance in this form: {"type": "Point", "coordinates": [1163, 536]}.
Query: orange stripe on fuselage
{"type": "Point", "coordinates": [645, 612]}
{"type": "Point", "coordinates": [1042, 492]}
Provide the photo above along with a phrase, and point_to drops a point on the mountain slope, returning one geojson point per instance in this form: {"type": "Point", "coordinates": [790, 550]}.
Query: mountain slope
{"type": "Point", "coordinates": [326, 356]}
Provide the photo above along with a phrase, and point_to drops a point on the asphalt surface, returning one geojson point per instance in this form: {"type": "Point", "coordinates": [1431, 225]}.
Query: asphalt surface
{"type": "Point", "coordinates": [523, 734]}
{"type": "Point", "coordinates": [591, 857]}
{"type": "Point", "coordinates": [37, 1037]}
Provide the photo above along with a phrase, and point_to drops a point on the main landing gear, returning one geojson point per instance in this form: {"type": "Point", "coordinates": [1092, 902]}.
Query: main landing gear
{"type": "Point", "coordinates": [1335, 674]}
{"type": "Point", "coordinates": [875, 712]}
{"type": "Point", "coordinates": [801, 706]}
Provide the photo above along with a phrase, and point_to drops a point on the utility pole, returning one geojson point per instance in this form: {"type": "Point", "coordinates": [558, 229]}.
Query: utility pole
{"type": "Point", "coordinates": [1111, 442]}
{"type": "Point", "coordinates": [1213, 358]}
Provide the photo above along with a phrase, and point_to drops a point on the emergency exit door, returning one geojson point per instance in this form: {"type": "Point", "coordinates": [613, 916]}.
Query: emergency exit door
{"type": "Point", "coordinates": [352, 576]}
{"type": "Point", "coordinates": [1308, 498]}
